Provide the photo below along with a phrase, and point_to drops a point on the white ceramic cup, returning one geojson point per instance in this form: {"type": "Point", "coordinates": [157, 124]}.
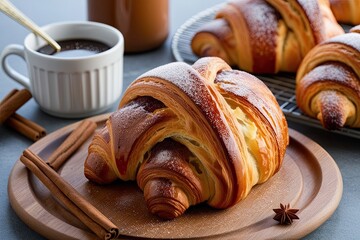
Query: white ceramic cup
{"type": "Point", "coordinates": [71, 87]}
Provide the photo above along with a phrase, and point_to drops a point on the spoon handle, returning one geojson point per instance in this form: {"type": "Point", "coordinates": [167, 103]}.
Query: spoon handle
{"type": "Point", "coordinates": [17, 15]}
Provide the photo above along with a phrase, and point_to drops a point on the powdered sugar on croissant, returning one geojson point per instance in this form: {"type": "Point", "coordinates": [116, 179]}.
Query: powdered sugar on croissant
{"type": "Point", "coordinates": [191, 134]}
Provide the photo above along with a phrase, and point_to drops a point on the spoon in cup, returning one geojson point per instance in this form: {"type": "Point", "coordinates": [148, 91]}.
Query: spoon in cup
{"type": "Point", "coordinates": [10, 10]}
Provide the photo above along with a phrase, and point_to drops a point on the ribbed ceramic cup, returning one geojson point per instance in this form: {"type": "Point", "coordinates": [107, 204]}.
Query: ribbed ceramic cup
{"type": "Point", "coordinates": [71, 87]}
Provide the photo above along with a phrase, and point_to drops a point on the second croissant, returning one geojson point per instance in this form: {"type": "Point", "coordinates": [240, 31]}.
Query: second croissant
{"type": "Point", "coordinates": [266, 36]}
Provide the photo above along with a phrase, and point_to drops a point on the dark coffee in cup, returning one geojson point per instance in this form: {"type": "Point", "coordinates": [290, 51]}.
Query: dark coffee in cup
{"type": "Point", "coordinates": [75, 48]}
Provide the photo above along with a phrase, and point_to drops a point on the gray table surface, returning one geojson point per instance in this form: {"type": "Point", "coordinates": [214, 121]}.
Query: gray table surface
{"type": "Point", "coordinates": [343, 224]}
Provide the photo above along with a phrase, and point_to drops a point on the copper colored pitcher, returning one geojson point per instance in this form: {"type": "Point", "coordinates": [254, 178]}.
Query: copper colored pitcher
{"type": "Point", "coordinates": [143, 23]}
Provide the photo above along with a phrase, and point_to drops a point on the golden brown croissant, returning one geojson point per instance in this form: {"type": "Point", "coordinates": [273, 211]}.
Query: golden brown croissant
{"type": "Point", "coordinates": [266, 36]}
{"type": "Point", "coordinates": [328, 82]}
{"type": "Point", "coordinates": [191, 134]}
{"type": "Point", "coordinates": [346, 11]}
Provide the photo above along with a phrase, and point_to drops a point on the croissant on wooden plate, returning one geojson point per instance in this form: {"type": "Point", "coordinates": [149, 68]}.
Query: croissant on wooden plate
{"type": "Point", "coordinates": [266, 36]}
{"type": "Point", "coordinates": [328, 81]}
{"type": "Point", "coordinates": [346, 11]}
{"type": "Point", "coordinates": [191, 134]}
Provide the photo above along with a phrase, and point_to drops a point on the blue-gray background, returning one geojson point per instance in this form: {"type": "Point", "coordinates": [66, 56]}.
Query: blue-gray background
{"type": "Point", "coordinates": [344, 224]}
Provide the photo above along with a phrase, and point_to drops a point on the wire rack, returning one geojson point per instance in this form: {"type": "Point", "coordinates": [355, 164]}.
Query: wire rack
{"type": "Point", "coordinates": [282, 85]}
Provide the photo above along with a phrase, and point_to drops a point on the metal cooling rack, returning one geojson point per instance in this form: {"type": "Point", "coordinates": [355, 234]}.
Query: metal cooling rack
{"type": "Point", "coordinates": [282, 85]}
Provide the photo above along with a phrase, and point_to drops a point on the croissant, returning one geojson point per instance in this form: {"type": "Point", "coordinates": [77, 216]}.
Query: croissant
{"type": "Point", "coordinates": [346, 11]}
{"type": "Point", "coordinates": [191, 134]}
{"type": "Point", "coordinates": [328, 82]}
{"type": "Point", "coordinates": [266, 36]}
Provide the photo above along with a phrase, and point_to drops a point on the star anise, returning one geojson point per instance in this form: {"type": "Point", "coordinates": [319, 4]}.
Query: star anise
{"type": "Point", "coordinates": [285, 214]}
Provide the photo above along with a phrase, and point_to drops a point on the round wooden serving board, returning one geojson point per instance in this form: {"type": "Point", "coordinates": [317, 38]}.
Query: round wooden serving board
{"type": "Point", "coordinates": [309, 180]}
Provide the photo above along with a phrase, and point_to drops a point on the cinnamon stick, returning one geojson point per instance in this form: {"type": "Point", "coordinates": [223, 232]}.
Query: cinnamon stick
{"type": "Point", "coordinates": [11, 93]}
{"type": "Point", "coordinates": [26, 127]}
{"type": "Point", "coordinates": [12, 102]}
{"type": "Point", "coordinates": [20, 124]}
{"type": "Point", "coordinates": [73, 201]}
{"type": "Point", "coordinates": [71, 144]}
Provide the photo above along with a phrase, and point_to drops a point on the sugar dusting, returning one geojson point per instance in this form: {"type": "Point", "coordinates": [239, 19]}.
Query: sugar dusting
{"type": "Point", "coordinates": [131, 122]}
{"type": "Point", "coordinates": [334, 71]}
{"type": "Point", "coordinates": [349, 39]}
{"type": "Point", "coordinates": [332, 110]}
{"type": "Point", "coordinates": [313, 14]}
{"type": "Point", "coordinates": [248, 87]}
{"type": "Point", "coordinates": [262, 21]}
{"type": "Point", "coordinates": [193, 85]}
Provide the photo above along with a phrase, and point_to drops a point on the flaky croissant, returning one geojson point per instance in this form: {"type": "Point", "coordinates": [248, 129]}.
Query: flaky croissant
{"type": "Point", "coordinates": [346, 11]}
{"type": "Point", "coordinates": [328, 82]}
{"type": "Point", "coordinates": [191, 134]}
{"type": "Point", "coordinates": [266, 36]}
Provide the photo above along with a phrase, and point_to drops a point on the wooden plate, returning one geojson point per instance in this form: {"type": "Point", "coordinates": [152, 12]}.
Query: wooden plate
{"type": "Point", "coordinates": [309, 180]}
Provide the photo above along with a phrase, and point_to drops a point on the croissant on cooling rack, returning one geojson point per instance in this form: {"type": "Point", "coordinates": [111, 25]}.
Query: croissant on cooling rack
{"type": "Point", "coordinates": [266, 36]}
{"type": "Point", "coordinates": [191, 134]}
{"type": "Point", "coordinates": [328, 81]}
{"type": "Point", "coordinates": [346, 11]}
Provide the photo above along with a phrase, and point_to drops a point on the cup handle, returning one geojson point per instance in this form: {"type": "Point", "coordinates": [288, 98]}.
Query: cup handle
{"type": "Point", "coordinates": [11, 72]}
